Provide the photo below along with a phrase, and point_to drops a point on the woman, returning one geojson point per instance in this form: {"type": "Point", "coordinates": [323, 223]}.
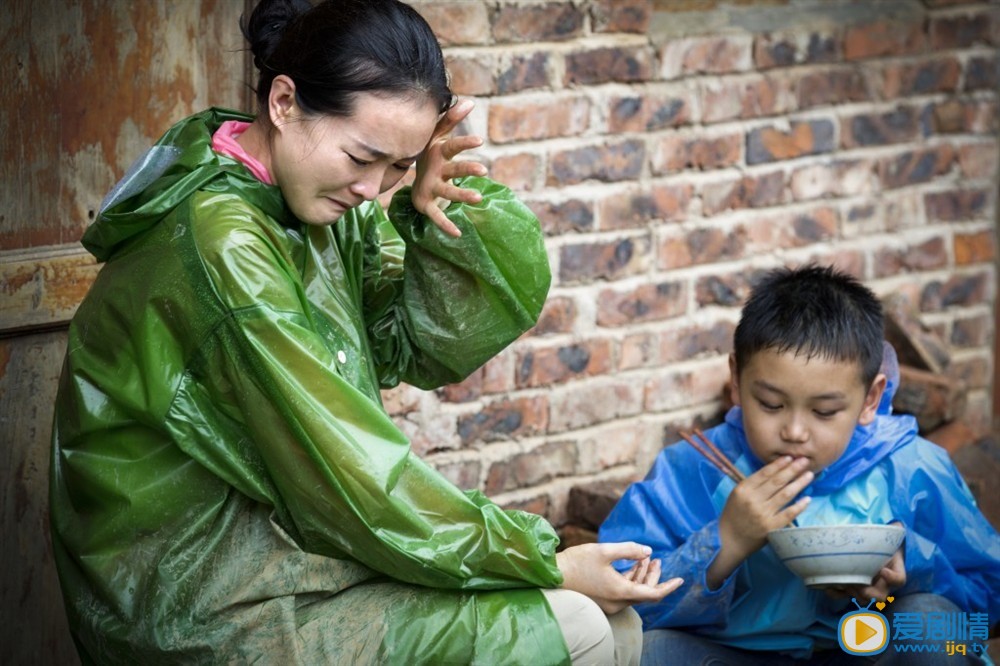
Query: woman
{"type": "Point", "coordinates": [226, 486]}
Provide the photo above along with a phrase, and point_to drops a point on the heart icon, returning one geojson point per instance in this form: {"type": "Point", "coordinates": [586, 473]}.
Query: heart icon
{"type": "Point", "coordinates": [880, 605]}
{"type": "Point", "coordinates": [890, 599]}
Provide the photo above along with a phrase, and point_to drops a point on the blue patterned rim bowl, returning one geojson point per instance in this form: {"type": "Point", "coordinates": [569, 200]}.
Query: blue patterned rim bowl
{"type": "Point", "coordinates": [825, 555]}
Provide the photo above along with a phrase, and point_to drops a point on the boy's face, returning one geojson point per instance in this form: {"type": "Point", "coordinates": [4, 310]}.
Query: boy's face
{"type": "Point", "coordinates": [802, 407]}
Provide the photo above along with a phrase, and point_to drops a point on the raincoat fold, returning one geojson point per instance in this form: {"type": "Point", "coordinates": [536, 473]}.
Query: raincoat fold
{"type": "Point", "coordinates": [225, 483]}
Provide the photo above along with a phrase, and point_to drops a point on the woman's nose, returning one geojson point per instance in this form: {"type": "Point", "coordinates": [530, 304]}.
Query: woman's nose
{"type": "Point", "coordinates": [369, 186]}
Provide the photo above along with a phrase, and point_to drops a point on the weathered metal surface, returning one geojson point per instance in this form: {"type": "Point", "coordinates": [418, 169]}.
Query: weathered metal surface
{"type": "Point", "coordinates": [87, 85]}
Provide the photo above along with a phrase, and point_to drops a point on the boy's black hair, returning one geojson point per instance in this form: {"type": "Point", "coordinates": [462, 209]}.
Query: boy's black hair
{"type": "Point", "coordinates": [815, 311]}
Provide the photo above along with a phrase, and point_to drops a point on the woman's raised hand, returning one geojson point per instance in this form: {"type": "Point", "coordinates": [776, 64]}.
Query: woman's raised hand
{"type": "Point", "coordinates": [435, 169]}
{"type": "Point", "coordinates": [587, 569]}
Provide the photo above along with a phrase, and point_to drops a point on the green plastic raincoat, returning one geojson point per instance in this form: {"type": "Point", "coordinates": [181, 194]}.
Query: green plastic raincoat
{"type": "Point", "coordinates": [225, 483]}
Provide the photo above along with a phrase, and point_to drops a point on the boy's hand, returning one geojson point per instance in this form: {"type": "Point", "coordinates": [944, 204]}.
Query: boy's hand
{"type": "Point", "coordinates": [435, 169]}
{"type": "Point", "coordinates": [891, 577]}
{"type": "Point", "coordinates": [757, 505]}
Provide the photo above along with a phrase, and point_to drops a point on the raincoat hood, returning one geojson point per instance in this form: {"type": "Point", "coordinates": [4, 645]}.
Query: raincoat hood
{"type": "Point", "coordinates": [181, 163]}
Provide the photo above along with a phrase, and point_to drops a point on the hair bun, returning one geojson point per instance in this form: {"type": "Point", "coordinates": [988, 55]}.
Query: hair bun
{"type": "Point", "coordinates": [267, 24]}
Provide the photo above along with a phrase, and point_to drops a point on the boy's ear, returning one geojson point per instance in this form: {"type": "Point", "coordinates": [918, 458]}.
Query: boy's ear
{"type": "Point", "coordinates": [872, 400]}
{"type": "Point", "coordinates": [734, 381]}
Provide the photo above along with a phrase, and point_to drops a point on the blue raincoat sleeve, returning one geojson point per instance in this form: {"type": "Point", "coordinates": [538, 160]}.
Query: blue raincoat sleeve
{"type": "Point", "coordinates": [951, 549]}
{"type": "Point", "coordinates": [672, 511]}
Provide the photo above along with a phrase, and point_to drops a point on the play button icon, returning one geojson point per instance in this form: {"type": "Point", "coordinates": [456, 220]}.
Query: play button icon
{"type": "Point", "coordinates": [863, 632]}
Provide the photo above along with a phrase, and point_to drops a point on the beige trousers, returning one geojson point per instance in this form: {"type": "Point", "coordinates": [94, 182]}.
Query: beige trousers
{"type": "Point", "coordinates": [593, 638]}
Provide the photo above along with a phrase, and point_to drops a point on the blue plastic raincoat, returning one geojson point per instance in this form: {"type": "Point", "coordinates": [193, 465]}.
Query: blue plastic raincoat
{"type": "Point", "coordinates": [226, 486]}
{"type": "Point", "coordinates": [887, 473]}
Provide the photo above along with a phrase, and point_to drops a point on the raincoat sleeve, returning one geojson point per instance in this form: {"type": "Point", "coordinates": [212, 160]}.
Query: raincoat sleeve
{"type": "Point", "coordinates": [672, 512]}
{"type": "Point", "coordinates": [338, 471]}
{"type": "Point", "coordinates": [454, 302]}
{"type": "Point", "coordinates": [951, 549]}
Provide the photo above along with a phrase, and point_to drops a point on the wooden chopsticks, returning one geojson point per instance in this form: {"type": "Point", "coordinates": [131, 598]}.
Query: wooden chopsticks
{"type": "Point", "coordinates": [713, 454]}
{"type": "Point", "coordinates": [716, 457]}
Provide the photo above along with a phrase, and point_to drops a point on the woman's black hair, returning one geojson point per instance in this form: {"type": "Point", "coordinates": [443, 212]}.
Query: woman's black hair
{"type": "Point", "coordinates": [815, 311]}
{"type": "Point", "coordinates": [339, 48]}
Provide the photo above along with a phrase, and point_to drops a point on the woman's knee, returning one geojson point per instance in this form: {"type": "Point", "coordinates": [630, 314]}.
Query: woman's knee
{"type": "Point", "coordinates": [586, 629]}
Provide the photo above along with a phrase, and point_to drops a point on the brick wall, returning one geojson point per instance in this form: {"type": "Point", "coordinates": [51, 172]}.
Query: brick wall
{"type": "Point", "coordinates": [673, 150]}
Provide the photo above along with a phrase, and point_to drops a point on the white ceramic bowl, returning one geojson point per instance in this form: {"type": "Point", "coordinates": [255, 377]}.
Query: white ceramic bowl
{"type": "Point", "coordinates": [826, 555]}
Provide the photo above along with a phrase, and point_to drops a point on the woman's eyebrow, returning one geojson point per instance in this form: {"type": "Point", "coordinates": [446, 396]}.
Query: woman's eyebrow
{"type": "Point", "coordinates": [379, 155]}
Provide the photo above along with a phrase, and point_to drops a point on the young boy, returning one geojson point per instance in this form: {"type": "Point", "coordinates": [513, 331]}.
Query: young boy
{"type": "Point", "coordinates": [811, 429]}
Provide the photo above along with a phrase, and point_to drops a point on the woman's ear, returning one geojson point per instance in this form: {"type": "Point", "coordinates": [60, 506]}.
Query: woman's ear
{"type": "Point", "coordinates": [734, 381]}
{"type": "Point", "coordinates": [872, 400]}
{"type": "Point", "coordinates": [281, 104]}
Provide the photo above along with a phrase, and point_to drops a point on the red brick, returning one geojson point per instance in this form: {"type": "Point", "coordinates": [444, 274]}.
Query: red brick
{"type": "Point", "coordinates": [548, 22]}
{"type": "Point", "coordinates": [430, 432]}
{"type": "Point", "coordinates": [505, 419]}
{"type": "Point", "coordinates": [709, 245]}
{"type": "Point", "coordinates": [959, 290]}
{"type": "Point", "coordinates": [975, 248]}
{"type": "Point", "coordinates": [586, 262]}
{"type": "Point", "coordinates": [975, 371]}
{"type": "Point", "coordinates": [471, 75]}
{"type": "Point", "coordinates": [693, 342]}
{"type": "Point", "coordinates": [522, 121]}
{"type": "Point", "coordinates": [465, 391]}
{"type": "Point", "coordinates": [647, 302]}
{"type": "Point", "coordinates": [982, 73]}
{"type": "Point", "coordinates": [743, 192]}
{"type": "Point", "coordinates": [676, 152]}
{"type": "Point", "coordinates": [774, 143]}
{"type": "Point", "coordinates": [979, 160]}
{"type": "Point", "coordinates": [955, 205]}
{"type": "Point", "coordinates": [585, 404]}
{"type": "Point", "coordinates": [637, 208]}
{"type": "Point", "coordinates": [901, 125]}
{"type": "Point", "coordinates": [524, 72]}
{"type": "Point", "coordinates": [785, 49]}
{"type": "Point", "coordinates": [836, 178]}
{"type": "Point", "coordinates": [540, 505]}
{"type": "Point", "coordinates": [630, 16]}
{"type": "Point", "coordinates": [520, 171]}
{"type": "Point", "coordinates": [916, 166]}
{"type": "Point", "coordinates": [766, 234]}
{"type": "Point", "coordinates": [706, 55]}
{"type": "Point", "coordinates": [457, 23]}
{"type": "Point", "coordinates": [729, 99]}
{"type": "Point", "coordinates": [638, 350]}
{"type": "Point", "coordinates": [565, 216]}
{"type": "Point", "coordinates": [924, 78]}
{"type": "Point", "coordinates": [558, 316]}
{"type": "Point", "coordinates": [960, 32]}
{"type": "Point", "coordinates": [523, 470]}
{"type": "Point", "coordinates": [929, 255]}
{"type": "Point", "coordinates": [608, 162]}
{"type": "Point", "coordinates": [544, 366]}
{"type": "Point", "coordinates": [617, 64]}
{"type": "Point", "coordinates": [973, 331]}
{"type": "Point", "coordinates": [677, 389]}
{"type": "Point", "coordinates": [463, 473]}
{"type": "Point", "coordinates": [673, 251]}
{"type": "Point", "coordinates": [648, 112]}
{"type": "Point", "coordinates": [883, 38]}
{"type": "Point", "coordinates": [402, 399]}
{"type": "Point", "coordinates": [831, 86]}
{"type": "Point", "coordinates": [498, 373]}
{"type": "Point", "coordinates": [722, 289]}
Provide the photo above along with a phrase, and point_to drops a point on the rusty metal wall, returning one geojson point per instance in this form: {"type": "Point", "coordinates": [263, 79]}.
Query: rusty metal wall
{"type": "Point", "coordinates": [85, 87]}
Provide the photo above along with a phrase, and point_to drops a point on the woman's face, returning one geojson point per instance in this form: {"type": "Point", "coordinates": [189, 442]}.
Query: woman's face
{"type": "Point", "coordinates": [326, 165]}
